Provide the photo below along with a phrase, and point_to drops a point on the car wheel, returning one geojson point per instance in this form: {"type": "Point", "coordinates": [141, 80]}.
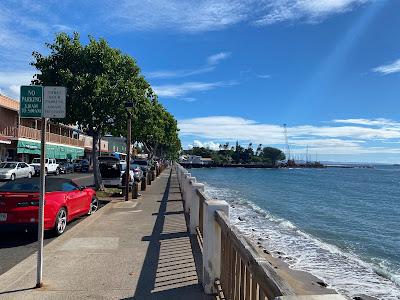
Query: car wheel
{"type": "Point", "coordinates": [29, 175]}
{"type": "Point", "coordinates": [61, 222]}
{"type": "Point", "coordinates": [45, 171]}
{"type": "Point", "coordinates": [12, 177]}
{"type": "Point", "coordinates": [94, 206]}
{"type": "Point", "coordinates": [57, 171]}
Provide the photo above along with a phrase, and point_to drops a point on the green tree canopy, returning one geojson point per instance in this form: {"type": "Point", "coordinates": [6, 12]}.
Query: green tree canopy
{"type": "Point", "coordinates": [99, 80]}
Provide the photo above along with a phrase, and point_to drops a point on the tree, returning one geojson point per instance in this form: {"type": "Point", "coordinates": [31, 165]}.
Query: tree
{"type": "Point", "coordinates": [99, 80]}
{"type": "Point", "coordinates": [272, 155]}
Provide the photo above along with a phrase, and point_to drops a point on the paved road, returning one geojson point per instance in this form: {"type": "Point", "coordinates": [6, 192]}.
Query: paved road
{"type": "Point", "coordinates": [15, 247]}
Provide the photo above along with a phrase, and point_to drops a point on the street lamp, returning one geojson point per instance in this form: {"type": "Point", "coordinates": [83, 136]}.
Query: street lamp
{"type": "Point", "coordinates": [128, 105]}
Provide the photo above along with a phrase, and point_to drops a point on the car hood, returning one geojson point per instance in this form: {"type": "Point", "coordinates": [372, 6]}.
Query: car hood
{"type": "Point", "coordinates": [4, 171]}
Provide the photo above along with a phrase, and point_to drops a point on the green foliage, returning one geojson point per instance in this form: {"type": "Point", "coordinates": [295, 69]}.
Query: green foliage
{"type": "Point", "coordinates": [99, 81]}
{"type": "Point", "coordinates": [239, 154]}
{"type": "Point", "coordinates": [272, 155]}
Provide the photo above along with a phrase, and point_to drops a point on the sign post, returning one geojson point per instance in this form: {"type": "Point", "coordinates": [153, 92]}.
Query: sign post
{"type": "Point", "coordinates": [39, 268]}
{"type": "Point", "coordinates": [42, 102]}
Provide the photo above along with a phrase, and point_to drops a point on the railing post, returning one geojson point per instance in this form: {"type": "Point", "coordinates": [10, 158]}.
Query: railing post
{"type": "Point", "coordinates": [194, 207]}
{"type": "Point", "coordinates": [187, 195]}
{"type": "Point", "coordinates": [212, 243]}
{"type": "Point", "coordinates": [183, 187]}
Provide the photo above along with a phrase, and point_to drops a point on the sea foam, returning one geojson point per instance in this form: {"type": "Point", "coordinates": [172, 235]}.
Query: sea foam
{"type": "Point", "coordinates": [343, 271]}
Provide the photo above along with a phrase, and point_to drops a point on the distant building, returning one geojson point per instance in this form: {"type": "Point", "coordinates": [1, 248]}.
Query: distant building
{"type": "Point", "coordinates": [116, 146]}
{"type": "Point", "coordinates": [196, 159]}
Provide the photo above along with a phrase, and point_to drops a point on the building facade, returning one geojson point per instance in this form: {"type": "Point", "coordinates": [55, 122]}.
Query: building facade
{"type": "Point", "coordinates": [20, 137]}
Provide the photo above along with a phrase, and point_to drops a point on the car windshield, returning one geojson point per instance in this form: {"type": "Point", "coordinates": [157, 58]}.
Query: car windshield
{"type": "Point", "coordinates": [37, 161]}
{"type": "Point", "coordinates": [8, 165]}
{"type": "Point", "coordinates": [135, 166]}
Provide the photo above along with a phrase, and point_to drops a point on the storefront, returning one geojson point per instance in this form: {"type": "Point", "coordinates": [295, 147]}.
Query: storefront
{"type": "Point", "coordinates": [29, 149]}
{"type": "Point", "coordinates": [5, 147]}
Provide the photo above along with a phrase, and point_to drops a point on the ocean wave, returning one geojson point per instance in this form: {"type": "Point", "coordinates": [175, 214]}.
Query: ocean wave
{"type": "Point", "coordinates": [344, 271]}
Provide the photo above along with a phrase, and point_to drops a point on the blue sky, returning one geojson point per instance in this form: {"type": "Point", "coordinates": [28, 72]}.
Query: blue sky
{"type": "Point", "coordinates": [238, 70]}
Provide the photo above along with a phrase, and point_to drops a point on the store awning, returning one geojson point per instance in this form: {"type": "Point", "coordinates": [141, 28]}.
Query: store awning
{"type": "Point", "coordinates": [52, 150]}
{"type": "Point", "coordinates": [4, 140]}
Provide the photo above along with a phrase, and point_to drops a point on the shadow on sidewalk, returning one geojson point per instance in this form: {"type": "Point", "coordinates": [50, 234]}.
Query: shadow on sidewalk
{"type": "Point", "coordinates": [173, 259]}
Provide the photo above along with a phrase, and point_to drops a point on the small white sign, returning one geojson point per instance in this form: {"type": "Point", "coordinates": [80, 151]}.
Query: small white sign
{"type": "Point", "coordinates": [54, 102]}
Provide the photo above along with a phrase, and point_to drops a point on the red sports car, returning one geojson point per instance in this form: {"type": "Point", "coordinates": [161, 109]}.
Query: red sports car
{"type": "Point", "coordinates": [64, 201]}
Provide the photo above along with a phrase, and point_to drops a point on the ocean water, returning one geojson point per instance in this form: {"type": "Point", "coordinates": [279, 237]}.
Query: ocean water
{"type": "Point", "coordinates": [342, 225]}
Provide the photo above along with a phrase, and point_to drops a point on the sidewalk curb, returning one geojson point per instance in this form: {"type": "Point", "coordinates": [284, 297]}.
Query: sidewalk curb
{"type": "Point", "coordinates": [29, 264]}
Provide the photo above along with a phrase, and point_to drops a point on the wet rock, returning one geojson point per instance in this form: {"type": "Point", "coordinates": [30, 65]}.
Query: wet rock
{"type": "Point", "coordinates": [321, 283]}
{"type": "Point", "coordinates": [260, 239]}
{"type": "Point", "coordinates": [253, 229]}
{"type": "Point", "coordinates": [266, 252]}
{"type": "Point", "coordinates": [280, 253]}
{"type": "Point", "coordinates": [240, 219]}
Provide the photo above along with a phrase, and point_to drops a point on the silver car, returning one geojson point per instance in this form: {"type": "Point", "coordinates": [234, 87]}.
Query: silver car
{"type": "Point", "coordinates": [12, 170]}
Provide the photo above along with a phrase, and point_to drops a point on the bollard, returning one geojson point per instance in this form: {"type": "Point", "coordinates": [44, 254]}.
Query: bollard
{"type": "Point", "coordinates": [212, 244]}
{"type": "Point", "coordinates": [153, 175]}
{"type": "Point", "coordinates": [143, 183]}
{"type": "Point", "coordinates": [123, 192]}
{"type": "Point", "coordinates": [135, 190]}
{"type": "Point", "coordinates": [148, 178]}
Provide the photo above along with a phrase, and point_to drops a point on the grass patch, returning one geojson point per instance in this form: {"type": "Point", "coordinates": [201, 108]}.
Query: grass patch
{"type": "Point", "coordinates": [109, 192]}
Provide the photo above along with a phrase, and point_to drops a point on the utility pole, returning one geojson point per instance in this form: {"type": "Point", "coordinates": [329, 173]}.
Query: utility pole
{"type": "Point", "coordinates": [128, 150]}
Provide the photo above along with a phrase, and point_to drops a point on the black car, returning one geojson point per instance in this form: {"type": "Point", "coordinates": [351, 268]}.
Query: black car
{"type": "Point", "coordinates": [66, 167]}
{"type": "Point", "coordinates": [81, 165]}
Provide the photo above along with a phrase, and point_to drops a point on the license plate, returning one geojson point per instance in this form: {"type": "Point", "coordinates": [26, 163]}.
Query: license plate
{"type": "Point", "coordinates": [3, 217]}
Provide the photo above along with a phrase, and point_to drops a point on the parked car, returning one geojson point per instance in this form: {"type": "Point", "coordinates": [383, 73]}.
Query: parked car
{"type": "Point", "coordinates": [51, 166]}
{"type": "Point", "coordinates": [81, 165]}
{"type": "Point", "coordinates": [143, 164]}
{"type": "Point", "coordinates": [66, 167]}
{"type": "Point", "coordinates": [13, 170]}
{"type": "Point", "coordinates": [137, 172]}
{"type": "Point", "coordinates": [65, 201]}
{"type": "Point", "coordinates": [111, 170]}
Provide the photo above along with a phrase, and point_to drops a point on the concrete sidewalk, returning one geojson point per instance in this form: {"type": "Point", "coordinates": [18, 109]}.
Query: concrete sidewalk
{"type": "Point", "coordinates": [126, 250]}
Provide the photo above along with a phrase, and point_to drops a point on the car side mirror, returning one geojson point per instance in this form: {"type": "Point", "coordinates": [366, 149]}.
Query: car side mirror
{"type": "Point", "coordinates": [81, 187]}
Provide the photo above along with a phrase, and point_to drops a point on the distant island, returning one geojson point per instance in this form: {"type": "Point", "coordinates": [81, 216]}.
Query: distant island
{"type": "Point", "coordinates": [238, 156]}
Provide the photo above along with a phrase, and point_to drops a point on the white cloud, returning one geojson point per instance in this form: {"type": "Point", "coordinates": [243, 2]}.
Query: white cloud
{"type": "Point", "coordinates": [11, 81]}
{"type": "Point", "coordinates": [211, 15]}
{"type": "Point", "coordinates": [180, 90]}
{"type": "Point", "coordinates": [216, 58]}
{"type": "Point", "coordinates": [304, 10]}
{"type": "Point", "coordinates": [178, 73]}
{"type": "Point", "coordinates": [389, 68]}
{"type": "Point", "coordinates": [322, 139]}
{"type": "Point", "coordinates": [264, 76]}
{"type": "Point", "coordinates": [368, 122]}
{"type": "Point", "coordinates": [209, 145]}
{"type": "Point", "coordinates": [212, 61]}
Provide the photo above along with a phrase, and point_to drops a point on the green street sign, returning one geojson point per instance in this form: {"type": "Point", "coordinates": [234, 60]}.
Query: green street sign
{"type": "Point", "coordinates": [31, 101]}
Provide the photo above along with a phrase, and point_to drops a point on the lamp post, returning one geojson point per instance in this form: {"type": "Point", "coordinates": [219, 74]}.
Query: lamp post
{"type": "Point", "coordinates": [128, 105]}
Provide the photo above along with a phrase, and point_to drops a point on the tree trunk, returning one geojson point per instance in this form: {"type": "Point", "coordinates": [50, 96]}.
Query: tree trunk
{"type": "Point", "coordinates": [95, 154]}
